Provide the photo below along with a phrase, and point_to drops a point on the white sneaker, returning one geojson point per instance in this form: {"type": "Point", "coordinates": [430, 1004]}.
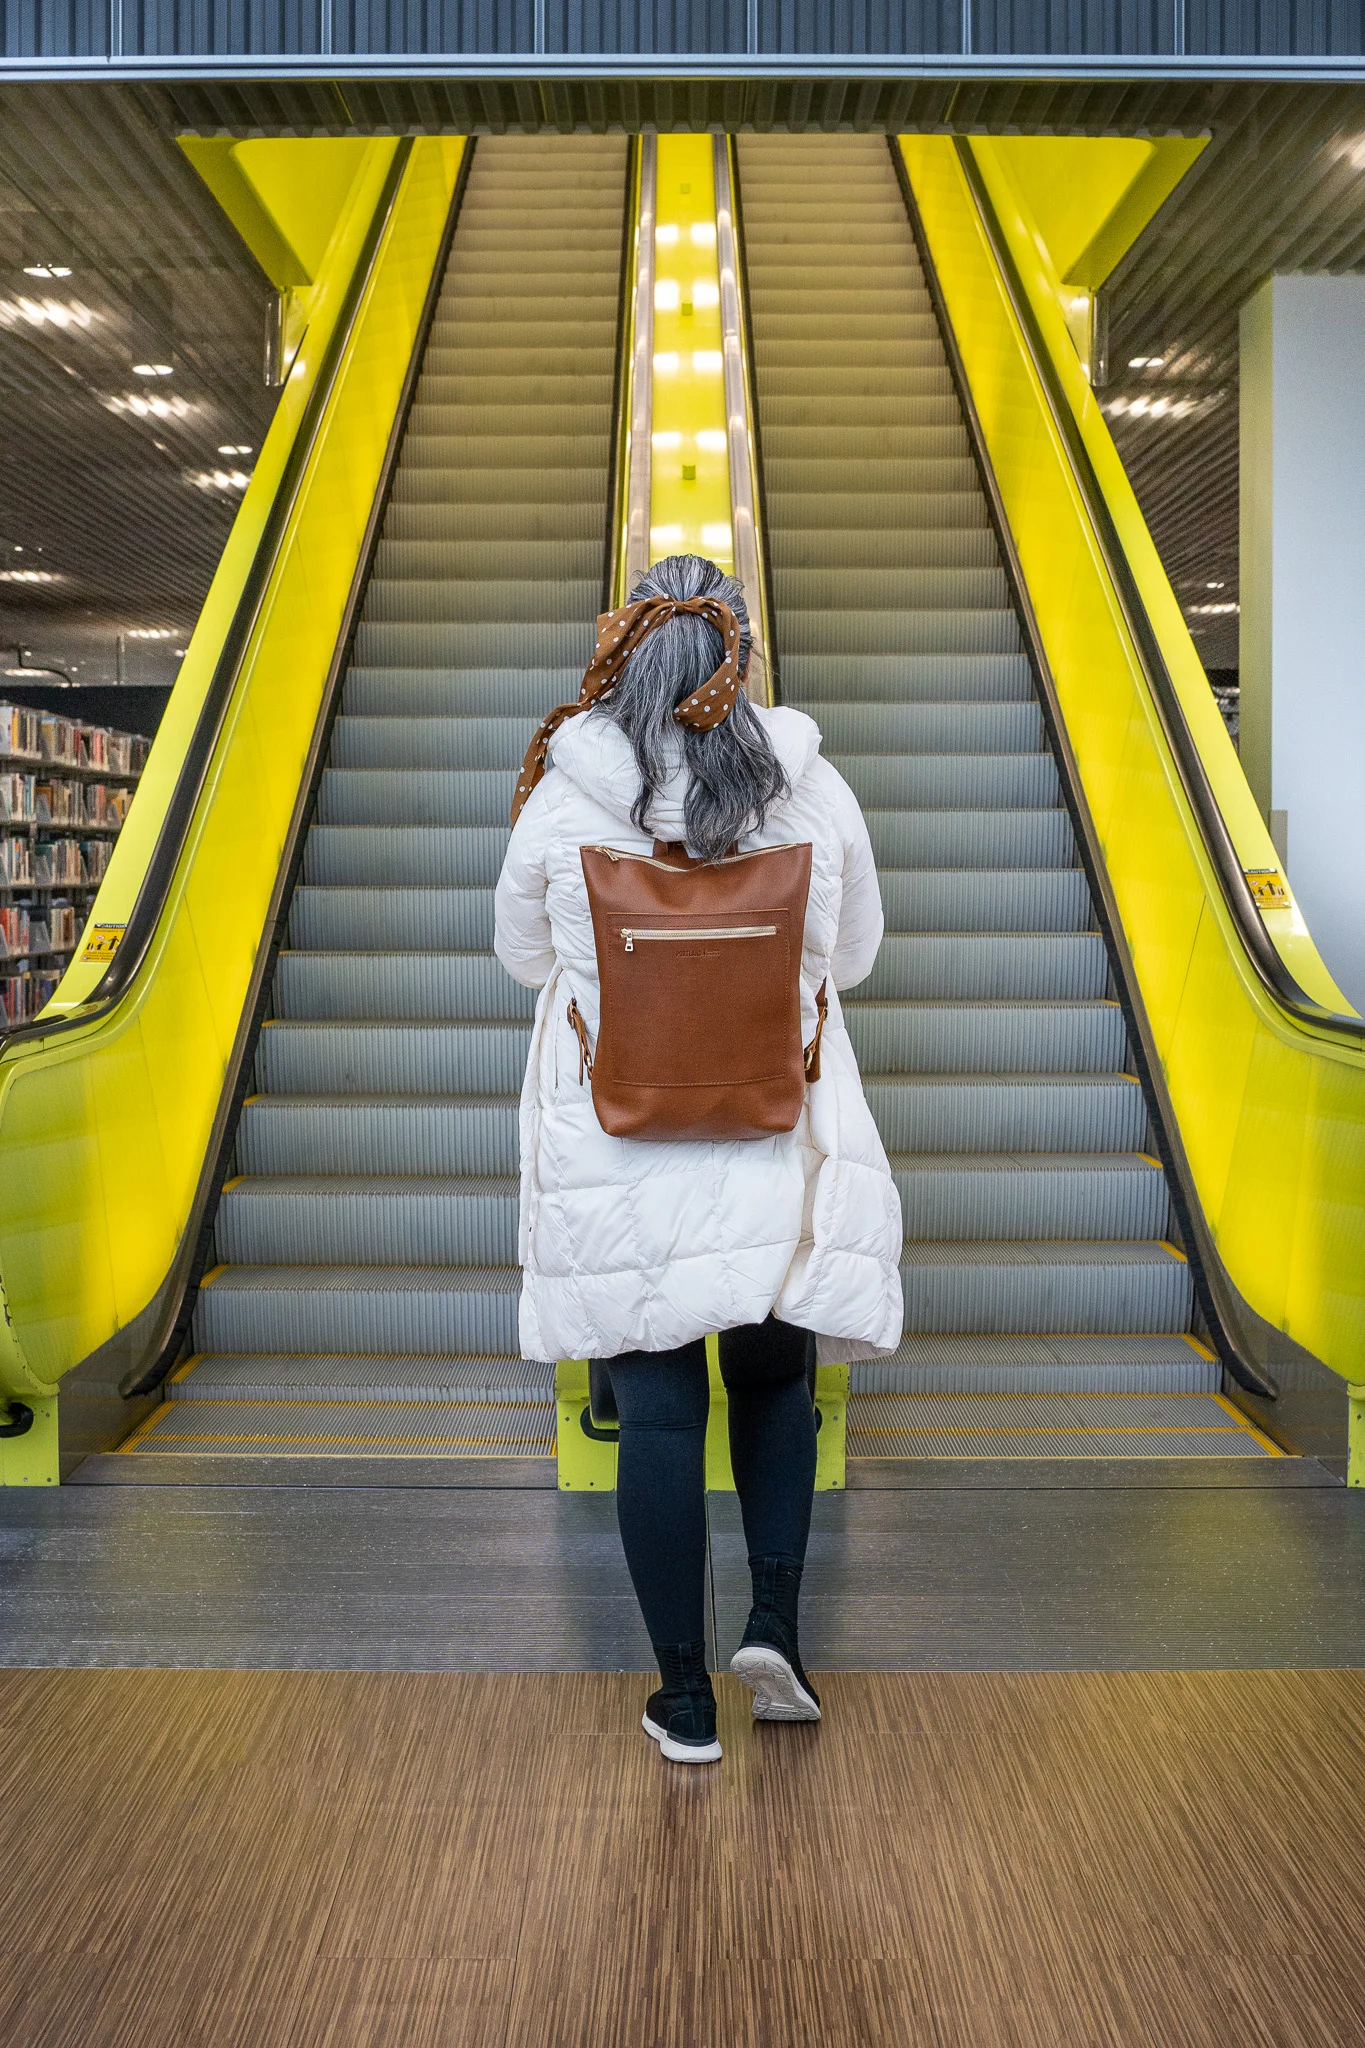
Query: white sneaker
{"type": "Point", "coordinates": [679, 1752]}
{"type": "Point", "coordinates": [779, 1689]}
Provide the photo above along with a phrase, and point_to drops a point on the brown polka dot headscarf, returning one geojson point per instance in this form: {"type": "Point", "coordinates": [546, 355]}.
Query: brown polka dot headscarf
{"type": "Point", "coordinates": [619, 633]}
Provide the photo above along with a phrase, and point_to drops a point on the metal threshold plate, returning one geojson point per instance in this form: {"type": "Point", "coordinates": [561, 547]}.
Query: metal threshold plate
{"type": "Point", "coordinates": [349, 1429]}
{"type": "Point", "coordinates": [1079, 1425]}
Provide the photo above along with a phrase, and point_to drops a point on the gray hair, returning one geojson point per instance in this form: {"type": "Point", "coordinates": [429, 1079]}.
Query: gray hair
{"type": "Point", "coordinates": [733, 773]}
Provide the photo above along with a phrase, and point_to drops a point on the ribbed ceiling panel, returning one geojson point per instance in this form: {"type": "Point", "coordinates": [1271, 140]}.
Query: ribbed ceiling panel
{"type": "Point", "coordinates": [100, 463]}
{"type": "Point", "coordinates": [90, 177]}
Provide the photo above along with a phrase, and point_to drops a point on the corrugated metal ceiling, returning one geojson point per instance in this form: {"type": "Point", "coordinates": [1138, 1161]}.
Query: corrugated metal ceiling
{"type": "Point", "coordinates": [90, 177]}
{"type": "Point", "coordinates": [103, 468]}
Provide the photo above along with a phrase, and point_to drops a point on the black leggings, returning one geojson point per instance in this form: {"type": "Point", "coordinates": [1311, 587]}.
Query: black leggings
{"type": "Point", "coordinates": [663, 1398]}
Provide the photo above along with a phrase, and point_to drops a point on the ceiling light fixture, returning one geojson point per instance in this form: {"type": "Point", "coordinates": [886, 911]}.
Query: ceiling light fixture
{"type": "Point", "coordinates": [33, 670]}
{"type": "Point", "coordinates": [50, 313]}
{"type": "Point", "coordinates": [173, 408]}
{"type": "Point", "coordinates": [235, 448]}
{"type": "Point", "coordinates": [47, 270]}
{"type": "Point", "coordinates": [219, 479]}
{"type": "Point", "coordinates": [153, 370]}
{"type": "Point", "coordinates": [29, 576]}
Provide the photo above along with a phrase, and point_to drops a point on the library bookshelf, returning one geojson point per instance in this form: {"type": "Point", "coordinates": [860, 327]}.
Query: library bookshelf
{"type": "Point", "coordinates": [65, 788]}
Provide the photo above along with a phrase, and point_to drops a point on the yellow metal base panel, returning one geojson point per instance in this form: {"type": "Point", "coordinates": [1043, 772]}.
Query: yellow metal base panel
{"type": "Point", "coordinates": [31, 1460]}
{"type": "Point", "coordinates": [587, 1464]}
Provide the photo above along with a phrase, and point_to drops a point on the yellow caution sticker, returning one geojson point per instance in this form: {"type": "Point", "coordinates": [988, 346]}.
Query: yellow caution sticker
{"type": "Point", "coordinates": [102, 941]}
{"type": "Point", "coordinates": [1269, 890]}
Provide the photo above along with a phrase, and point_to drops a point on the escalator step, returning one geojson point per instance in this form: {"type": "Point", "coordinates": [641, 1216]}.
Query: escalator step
{"type": "Point", "coordinates": [402, 1309]}
{"type": "Point", "coordinates": [394, 856]}
{"type": "Point", "coordinates": [338, 1376]}
{"type": "Point", "coordinates": [441, 920]}
{"type": "Point", "coordinates": [421, 693]}
{"type": "Point", "coordinates": [996, 1197]}
{"type": "Point", "coordinates": [956, 727]}
{"type": "Point", "coordinates": [947, 782]}
{"type": "Point", "coordinates": [1094, 1425]}
{"type": "Point", "coordinates": [971, 839]}
{"type": "Point", "coordinates": [397, 985]}
{"type": "Point", "coordinates": [319, 1220]}
{"type": "Point", "coordinates": [351, 1429]}
{"type": "Point", "coordinates": [1045, 1287]}
{"type": "Point", "coordinates": [448, 1135]}
{"type": "Point", "coordinates": [977, 900]}
{"type": "Point", "coordinates": [989, 966]}
{"type": "Point", "coordinates": [926, 1039]}
{"type": "Point", "coordinates": [426, 797]}
{"type": "Point", "coordinates": [821, 684]}
{"type": "Point", "coordinates": [1099, 1113]}
{"type": "Point", "coordinates": [315, 1058]}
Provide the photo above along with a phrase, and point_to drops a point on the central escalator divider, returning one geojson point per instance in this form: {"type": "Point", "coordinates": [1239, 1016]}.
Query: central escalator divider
{"type": "Point", "coordinates": [1047, 1312]}
{"type": "Point", "coordinates": [365, 1302]}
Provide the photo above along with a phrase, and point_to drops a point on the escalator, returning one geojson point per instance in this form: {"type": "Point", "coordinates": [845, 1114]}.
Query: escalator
{"type": "Point", "coordinates": [363, 1299]}
{"type": "Point", "coordinates": [1049, 1313]}
{"type": "Point", "coordinates": [1105, 1215]}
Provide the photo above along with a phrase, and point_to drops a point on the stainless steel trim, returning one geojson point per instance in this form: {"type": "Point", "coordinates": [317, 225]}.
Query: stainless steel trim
{"type": "Point", "coordinates": [740, 431]}
{"type": "Point", "coordinates": [639, 406]}
{"type": "Point", "coordinates": [951, 67]}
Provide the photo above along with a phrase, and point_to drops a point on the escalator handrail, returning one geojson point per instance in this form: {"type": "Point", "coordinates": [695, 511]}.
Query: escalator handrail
{"type": "Point", "coordinates": [1260, 948]}
{"type": "Point", "coordinates": [1219, 1299]}
{"type": "Point", "coordinates": [158, 877]}
{"type": "Point", "coordinates": [612, 566]}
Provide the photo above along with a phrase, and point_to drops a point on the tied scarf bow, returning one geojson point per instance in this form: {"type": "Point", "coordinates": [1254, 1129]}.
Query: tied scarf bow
{"type": "Point", "coordinates": [619, 633]}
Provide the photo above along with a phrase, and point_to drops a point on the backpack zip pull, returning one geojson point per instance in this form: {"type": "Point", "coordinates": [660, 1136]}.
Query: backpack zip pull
{"type": "Point", "coordinates": [630, 933]}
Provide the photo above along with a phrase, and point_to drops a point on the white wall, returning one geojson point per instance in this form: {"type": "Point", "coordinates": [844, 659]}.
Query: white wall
{"type": "Point", "coordinates": [1303, 596]}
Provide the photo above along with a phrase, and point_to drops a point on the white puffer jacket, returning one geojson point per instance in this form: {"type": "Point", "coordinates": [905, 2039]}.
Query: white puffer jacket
{"type": "Point", "coordinates": [631, 1245]}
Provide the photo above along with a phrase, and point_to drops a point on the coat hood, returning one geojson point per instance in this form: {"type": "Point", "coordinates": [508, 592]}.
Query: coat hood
{"type": "Point", "coordinates": [596, 755]}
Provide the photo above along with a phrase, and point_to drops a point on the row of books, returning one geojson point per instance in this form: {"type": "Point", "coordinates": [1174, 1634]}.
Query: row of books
{"type": "Point", "coordinates": [45, 863]}
{"type": "Point", "coordinates": [25, 990]}
{"type": "Point", "coordinates": [29, 735]}
{"type": "Point", "coordinates": [62, 803]}
{"type": "Point", "coordinates": [39, 929]}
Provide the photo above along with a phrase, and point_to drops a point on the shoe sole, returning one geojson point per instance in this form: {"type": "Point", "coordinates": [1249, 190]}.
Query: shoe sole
{"type": "Point", "coordinates": [778, 1693]}
{"type": "Point", "coordinates": [681, 1752]}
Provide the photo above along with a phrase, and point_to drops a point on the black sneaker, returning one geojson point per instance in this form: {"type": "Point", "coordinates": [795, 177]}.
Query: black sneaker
{"type": "Point", "coordinates": [684, 1726]}
{"type": "Point", "coordinates": [768, 1663]}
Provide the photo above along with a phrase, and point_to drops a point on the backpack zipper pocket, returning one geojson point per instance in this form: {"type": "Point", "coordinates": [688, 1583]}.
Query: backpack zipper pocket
{"type": "Point", "coordinates": [630, 933]}
{"type": "Point", "coordinates": [615, 854]}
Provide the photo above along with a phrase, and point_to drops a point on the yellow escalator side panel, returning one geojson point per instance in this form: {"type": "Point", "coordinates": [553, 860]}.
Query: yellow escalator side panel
{"type": "Point", "coordinates": [1271, 1111]}
{"type": "Point", "coordinates": [690, 482]}
{"type": "Point", "coordinates": [1088, 197]}
{"type": "Point", "coordinates": [103, 1131]}
{"type": "Point", "coordinates": [1355, 1468]}
{"type": "Point", "coordinates": [134, 846]}
{"type": "Point", "coordinates": [584, 1464]}
{"type": "Point", "coordinates": [285, 195]}
{"type": "Point", "coordinates": [31, 1459]}
{"type": "Point", "coordinates": [1249, 830]}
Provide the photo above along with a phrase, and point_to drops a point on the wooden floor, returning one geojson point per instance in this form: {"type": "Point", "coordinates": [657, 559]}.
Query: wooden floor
{"type": "Point", "coordinates": [418, 1859]}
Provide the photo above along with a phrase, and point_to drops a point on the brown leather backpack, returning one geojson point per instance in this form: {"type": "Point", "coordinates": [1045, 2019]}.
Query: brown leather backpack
{"type": "Point", "coordinates": [699, 967]}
